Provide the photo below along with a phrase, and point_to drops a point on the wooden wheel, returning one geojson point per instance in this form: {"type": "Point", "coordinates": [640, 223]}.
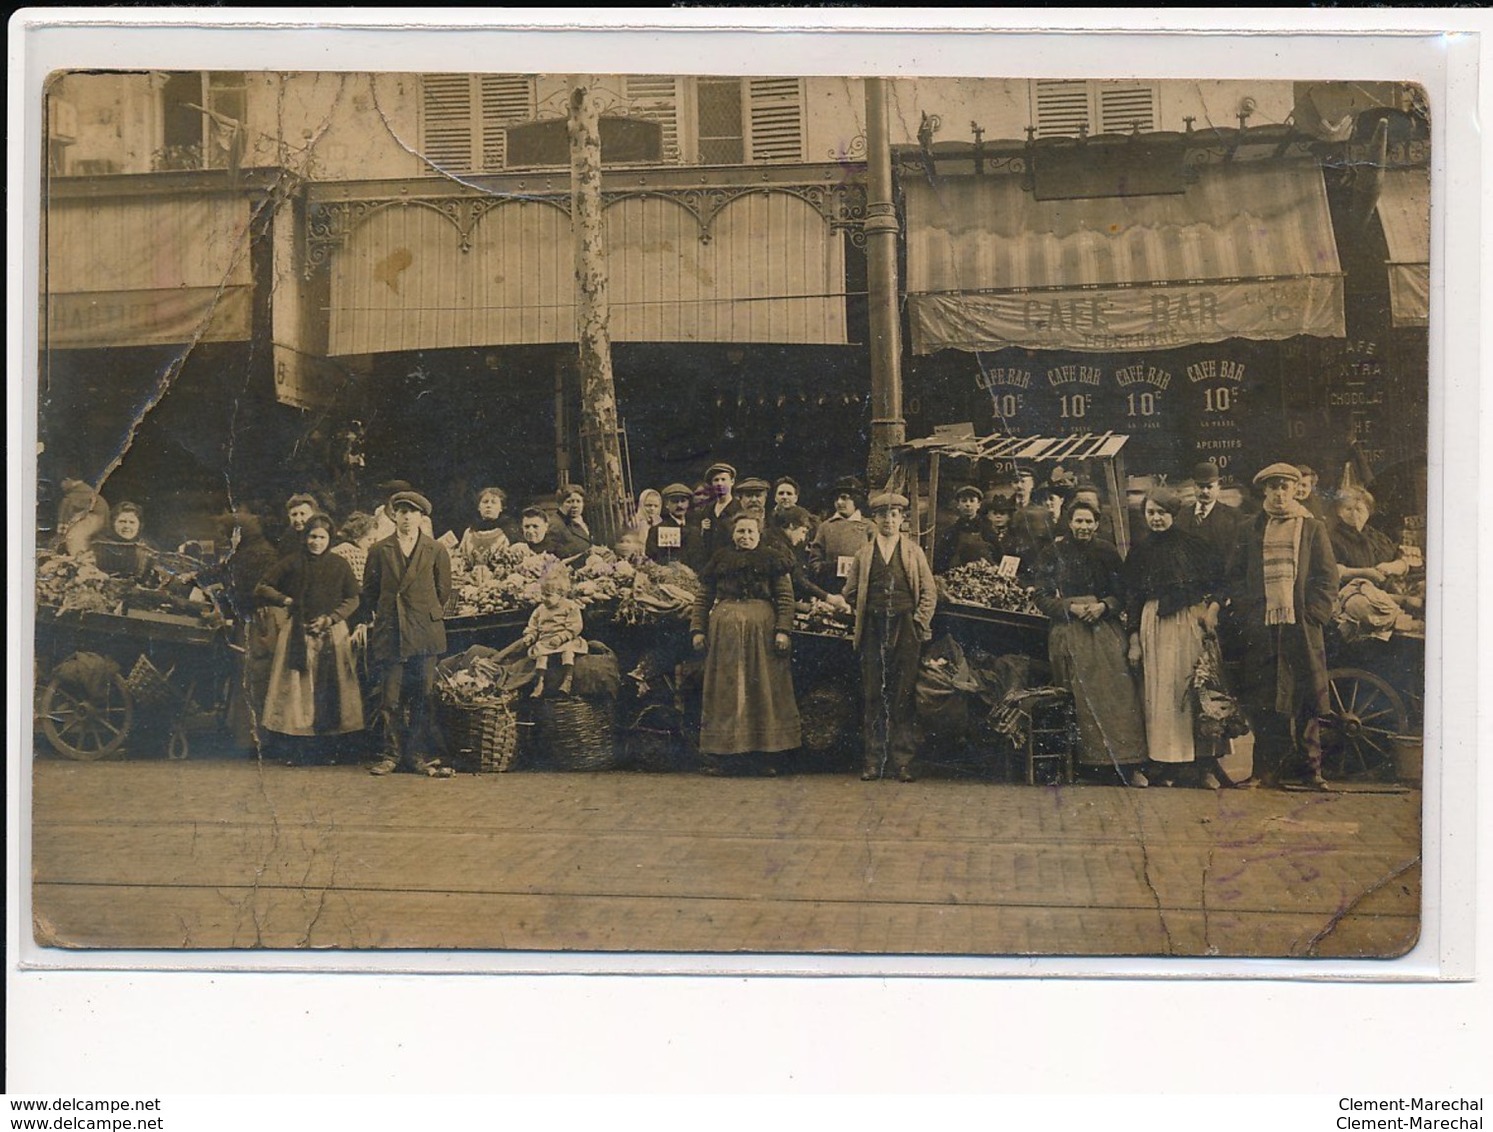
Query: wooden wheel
{"type": "Point", "coordinates": [1365, 714]}
{"type": "Point", "coordinates": [85, 728]}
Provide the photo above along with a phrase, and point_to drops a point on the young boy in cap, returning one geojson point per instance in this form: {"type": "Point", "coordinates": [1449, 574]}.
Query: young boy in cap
{"type": "Point", "coordinates": [964, 540]}
{"type": "Point", "coordinates": [1281, 585]}
{"type": "Point", "coordinates": [892, 591]}
{"type": "Point", "coordinates": [672, 539]}
{"type": "Point", "coordinates": [713, 527]}
{"type": "Point", "coordinates": [840, 537]}
{"type": "Point", "coordinates": [406, 582]}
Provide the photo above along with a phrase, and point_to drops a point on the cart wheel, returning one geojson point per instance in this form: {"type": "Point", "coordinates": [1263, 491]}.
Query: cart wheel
{"type": "Point", "coordinates": [79, 727]}
{"type": "Point", "coordinates": [1365, 715]}
{"type": "Point", "coordinates": [177, 747]}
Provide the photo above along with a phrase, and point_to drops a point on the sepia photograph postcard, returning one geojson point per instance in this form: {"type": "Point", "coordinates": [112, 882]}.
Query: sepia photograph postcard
{"type": "Point", "coordinates": [517, 506]}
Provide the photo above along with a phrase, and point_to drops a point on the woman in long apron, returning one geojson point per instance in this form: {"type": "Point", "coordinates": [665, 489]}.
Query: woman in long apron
{"type": "Point", "coordinates": [313, 691]}
{"type": "Point", "coordinates": [1078, 586]}
{"type": "Point", "coordinates": [741, 622]}
{"type": "Point", "coordinates": [1169, 579]}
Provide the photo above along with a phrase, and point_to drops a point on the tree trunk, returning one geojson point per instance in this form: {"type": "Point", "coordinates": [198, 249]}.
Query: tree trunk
{"type": "Point", "coordinates": [607, 503]}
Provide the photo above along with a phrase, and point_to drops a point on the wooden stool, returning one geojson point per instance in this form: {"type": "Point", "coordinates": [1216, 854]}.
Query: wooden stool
{"type": "Point", "coordinates": [1049, 726]}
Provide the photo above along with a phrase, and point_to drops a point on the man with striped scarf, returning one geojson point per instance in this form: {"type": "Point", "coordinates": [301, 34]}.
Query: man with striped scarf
{"type": "Point", "coordinates": [1282, 582]}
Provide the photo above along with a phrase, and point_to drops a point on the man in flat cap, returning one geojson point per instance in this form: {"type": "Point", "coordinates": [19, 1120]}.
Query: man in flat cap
{"type": "Point", "coordinates": [406, 582]}
{"type": "Point", "coordinates": [963, 541]}
{"type": "Point", "coordinates": [672, 538]}
{"type": "Point", "coordinates": [840, 537]}
{"type": "Point", "coordinates": [1282, 579]}
{"type": "Point", "coordinates": [713, 526]}
{"type": "Point", "coordinates": [892, 592]}
{"type": "Point", "coordinates": [1212, 520]}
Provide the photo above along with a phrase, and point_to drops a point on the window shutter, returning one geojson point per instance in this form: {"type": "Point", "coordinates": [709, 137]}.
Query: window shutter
{"type": "Point", "coordinates": [777, 119]}
{"type": "Point", "coordinates": [505, 99]}
{"type": "Point", "coordinates": [656, 98]}
{"type": "Point", "coordinates": [447, 105]}
{"type": "Point", "coordinates": [1062, 107]}
{"type": "Point", "coordinates": [1126, 107]}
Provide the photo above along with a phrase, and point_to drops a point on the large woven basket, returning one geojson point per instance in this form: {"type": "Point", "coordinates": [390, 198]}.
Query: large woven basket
{"type": "Point", "coordinates": [480, 740]}
{"type": "Point", "coordinates": [575, 733]}
{"type": "Point", "coordinates": [151, 687]}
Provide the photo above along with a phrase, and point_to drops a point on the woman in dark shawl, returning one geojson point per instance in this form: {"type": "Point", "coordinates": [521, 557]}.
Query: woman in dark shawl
{"type": "Point", "coordinates": [741, 622]}
{"type": "Point", "coordinates": [126, 552]}
{"type": "Point", "coordinates": [1361, 550]}
{"type": "Point", "coordinates": [1170, 606]}
{"type": "Point", "coordinates": [313, 687]}
{"type": "Point", "coordinates": [1079, 588]}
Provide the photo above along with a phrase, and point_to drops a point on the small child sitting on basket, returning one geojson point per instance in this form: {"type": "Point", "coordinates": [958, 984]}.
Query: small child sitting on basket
{"type": "Point", "coordinates": [554, 629]}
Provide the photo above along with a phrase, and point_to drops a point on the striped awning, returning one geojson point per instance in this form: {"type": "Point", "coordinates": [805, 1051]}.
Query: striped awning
{"type": "Point", "coordinates": [771, 270]}
{"type": "Point", "coordinates": [148, 270]}
{"type": "Point", "coordinates": [1246, 251]}
{"type": "Point", "coordinates": [1077, 446]}
{"type": "Point", "coordinates": [1405, 213]}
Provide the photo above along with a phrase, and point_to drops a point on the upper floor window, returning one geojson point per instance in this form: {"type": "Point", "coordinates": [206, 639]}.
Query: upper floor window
{"type": "Point", "coordinates": [465, 118]}
{"type": "Point", "coordinates": [202, 120]}
{"type": "Point", "coordinates": [474, 123]}
{"type": "Point", "coordinates": [1069, 107]}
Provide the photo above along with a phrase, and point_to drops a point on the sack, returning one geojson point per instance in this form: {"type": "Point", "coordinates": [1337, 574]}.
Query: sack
{"type": "Point", "coordinates": [945, 686]}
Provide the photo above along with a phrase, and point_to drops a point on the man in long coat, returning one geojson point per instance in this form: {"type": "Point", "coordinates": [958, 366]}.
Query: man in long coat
{"type": "Point", "coordinates": [1282, 580]}
{"type": "Point", "coordinates": [406, 583]}
{"type": "Point", "coordinates": [1212, 520]}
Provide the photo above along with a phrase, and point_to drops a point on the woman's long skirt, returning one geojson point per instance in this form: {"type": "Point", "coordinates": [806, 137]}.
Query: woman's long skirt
{"type": "Point", "coordinates": [1170, 647]}
{"type": "Point", "coordinates": [748, 703]}
{"type": "Point", "coordinates": [323, 700]}
{"type": "Point", "coordinates": [1089, 660]}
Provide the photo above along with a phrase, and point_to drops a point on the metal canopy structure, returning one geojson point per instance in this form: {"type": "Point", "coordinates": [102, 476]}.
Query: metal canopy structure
{"type": "Point", "coordinates": [912, 457]}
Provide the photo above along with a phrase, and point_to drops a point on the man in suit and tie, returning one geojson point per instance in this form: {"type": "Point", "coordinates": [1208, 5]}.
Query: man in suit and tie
{"type": "Point", "coordinates": [1214, 521]}
{"type": "Point", "coordinates": [406, 583]}
{"type": "Point", "coordinates": [672, 538]}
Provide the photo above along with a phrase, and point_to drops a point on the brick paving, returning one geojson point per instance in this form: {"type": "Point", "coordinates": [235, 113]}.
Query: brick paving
{"type": "Point", "coordinates": [235, 854]}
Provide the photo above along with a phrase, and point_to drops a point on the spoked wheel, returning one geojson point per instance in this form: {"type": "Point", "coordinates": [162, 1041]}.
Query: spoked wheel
{"type": "Point", "coordinates": [1358, 734]}
{"type": "Point", "coordinates": [83, 727]}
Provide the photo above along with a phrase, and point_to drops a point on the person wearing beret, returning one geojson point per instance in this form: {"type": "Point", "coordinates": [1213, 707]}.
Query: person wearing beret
{"type": "Point", "coordinates": [1282, 580]}
{"type": "Point", "coordinates": [892, 591]}
{"type": "Point", "coordinates": [963, 541]}
{"type": "Point", "coordinates": [406, 583]}
{"type": "Point", "coordinates": [1212, 520]}
{"type": "Point", "coordinates": [712, 522]}
{"type": "Point", "coordinates": [673, 538]}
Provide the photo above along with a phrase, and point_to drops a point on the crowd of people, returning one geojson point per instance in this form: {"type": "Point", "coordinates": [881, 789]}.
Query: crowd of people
{"type": "Point", "coordinates": [1127, 633]}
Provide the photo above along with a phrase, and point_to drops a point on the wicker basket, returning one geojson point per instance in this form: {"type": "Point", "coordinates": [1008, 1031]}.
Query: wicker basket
{"type": "Point", "coordinates": [480, 740]}
{"type": "Point", "coordinates": [573, 733]}
{"type": "Point", "coordinates": [151, 687]}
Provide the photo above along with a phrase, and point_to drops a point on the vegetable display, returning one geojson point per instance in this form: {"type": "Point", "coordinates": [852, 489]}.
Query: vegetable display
{"type": "Point", "coordinates": [981, 583]}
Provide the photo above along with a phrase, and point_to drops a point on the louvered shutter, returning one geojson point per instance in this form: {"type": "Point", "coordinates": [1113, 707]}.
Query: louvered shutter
{"type": "Point", "coordinates": [505, 99]}
{"type": "Point", "coordinates": [777, 119]}
{"type": "Point", "coordinates": [656, 98]}
{"type": "Point", "coordinates": [1062, 107]}
{"type": "Point", "coordinates": [447, 104]}
{"type": "Point", "coordinates": [1125, 107]}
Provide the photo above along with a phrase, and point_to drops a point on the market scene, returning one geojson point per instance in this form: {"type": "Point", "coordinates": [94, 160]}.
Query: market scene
{"type": "Point", "coordinates": [975, 435]}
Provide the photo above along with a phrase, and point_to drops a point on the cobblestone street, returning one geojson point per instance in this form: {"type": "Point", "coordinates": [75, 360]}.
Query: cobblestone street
{"type": "Point", "coordinates": [230, 854]}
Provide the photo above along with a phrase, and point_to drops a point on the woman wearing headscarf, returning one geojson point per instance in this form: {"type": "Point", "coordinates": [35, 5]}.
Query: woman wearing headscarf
{"type": "Point", "coordinates": [1078, 583]}
{"type": "Point", "coordinates": [741, 622]}
{"type": "Point", "coordinates": [1170, 606]}
{"type": "Point", "coordinates": [313, 687]}
{"type": "Point", "coordinates": [650, 512]}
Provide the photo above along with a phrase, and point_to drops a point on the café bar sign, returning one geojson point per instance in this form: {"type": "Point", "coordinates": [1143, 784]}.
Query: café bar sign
{"type": "Point", "coordinates": [1163, 316]}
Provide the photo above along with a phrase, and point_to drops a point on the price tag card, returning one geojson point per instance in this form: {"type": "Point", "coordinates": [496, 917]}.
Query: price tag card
{"type": "Point", "coordinates": [843, 565]}
{"type": "Point", "coordinates": [668, 537]}
{"type": "Point", "coordinates": [449, 541]}
{"type": "Point", "coordinates": [1008, 567]}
